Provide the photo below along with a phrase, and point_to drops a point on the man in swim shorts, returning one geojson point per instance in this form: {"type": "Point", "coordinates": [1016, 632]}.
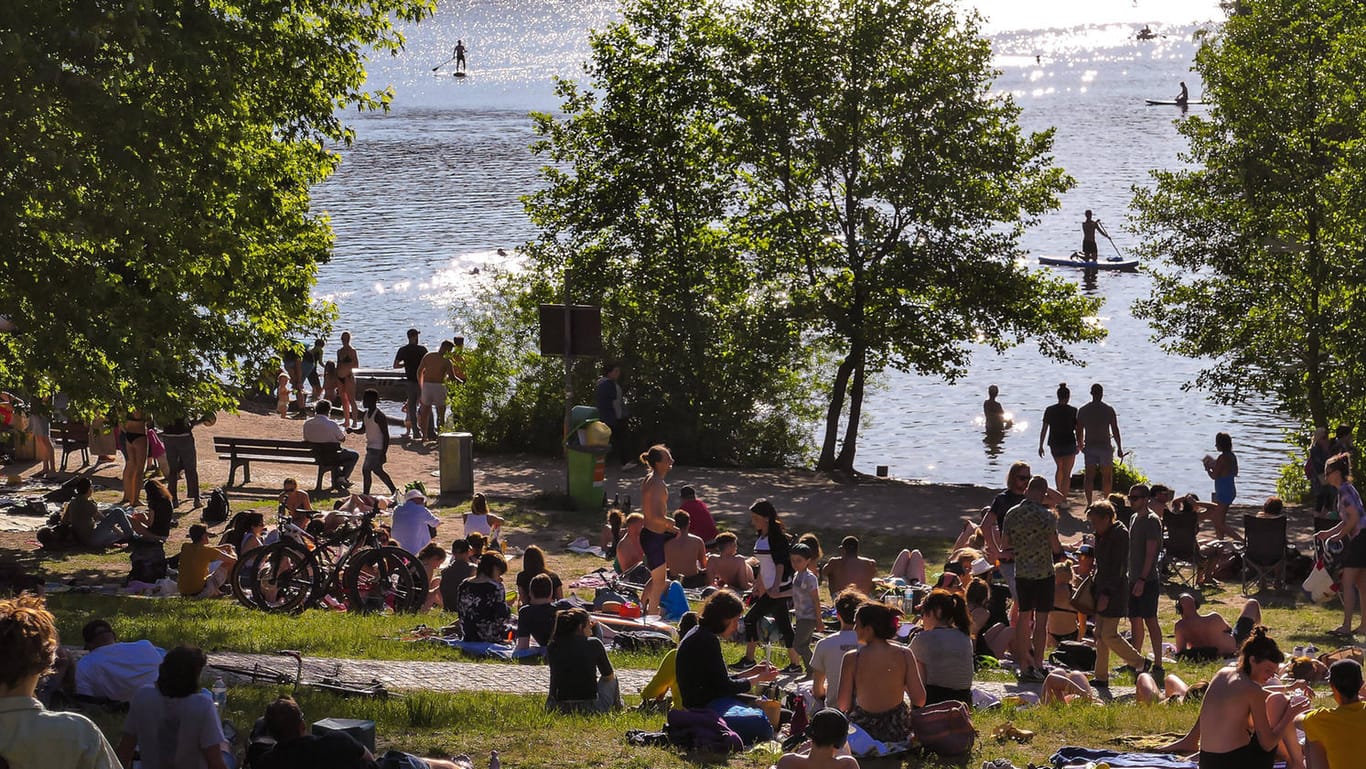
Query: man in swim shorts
{"type": "Point", "coordinates": [1096, 422]}
{"type": "Point", "coordinates": [1088, 237]}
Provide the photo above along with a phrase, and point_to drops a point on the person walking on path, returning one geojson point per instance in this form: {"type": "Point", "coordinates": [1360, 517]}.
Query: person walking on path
{"type": "Point", "coordinates": [1089, 227]}
{"type": "Point", "coordinates": [1059, 429]}
{"type": "Point", "coordinates": [607, 396]}
{"type": "Point", "coordinates": [376, 428]}
{"type": "Point", "coordinates": [1111, 589]}
{"type": "Point", "coordinates": [1032, 532]}
{"type": "Point", "coordinates": [1096, 423]}
{"type": "Point", "coordinates": [434, 371]}
{"type": "Point", "coordinates": [410, 356]}
{"type": "Point", "coordinates": [347, 363]}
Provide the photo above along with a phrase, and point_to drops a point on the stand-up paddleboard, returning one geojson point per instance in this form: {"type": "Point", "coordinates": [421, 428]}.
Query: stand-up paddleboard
{"type": "Point", "coordinates": [1169, 102]}
{"type": "Point", "coordinates": [1075, 261]}
{"type": "Point", "coordinates": [459, 74]}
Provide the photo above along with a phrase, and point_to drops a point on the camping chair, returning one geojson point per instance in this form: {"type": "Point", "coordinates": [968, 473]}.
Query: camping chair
{"type": "Point", "coordinates": [1180, 549]}
{"type": "Point", "coordinates": [1264, 556]}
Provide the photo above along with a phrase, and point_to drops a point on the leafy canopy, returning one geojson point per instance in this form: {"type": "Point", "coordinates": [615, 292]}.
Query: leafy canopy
{"type": "Point", "coordinates": [157, 245]}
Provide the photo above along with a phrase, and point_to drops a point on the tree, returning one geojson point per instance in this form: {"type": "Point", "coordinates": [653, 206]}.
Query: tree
{"type": "Point", "coordinates": [1260, 239]}
{"type": "Point", "coordinates": [634, 217]}
{"type": "Point", "coordinates": [887, 186]}
{"type": "Point", "coordinates": [156, 242]}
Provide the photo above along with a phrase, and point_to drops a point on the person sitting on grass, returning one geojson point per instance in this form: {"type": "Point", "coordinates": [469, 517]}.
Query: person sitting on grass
{"type": "Point", "coordinates": [203, 568]}
{"type": "Point", "coordinates": [533, 564]}
{"type": "Point", "coordinates": [665, 682]}
{"type": "Point", "coordinates": [458, 570]}
{"type": "Point", "coordinates": [92, 528]}
{"type": "Point", "coordinates": [1336, 738]}
{"type": "Point", "coordinates": [431, 558]}
{"type": "Point", "coordinates": [686, 554]}
{"type": "Point", "coordinates": [828, 731]}
{"type": "Point", "coordinates": [703, 679]}
{"type": "Point", "coordinates": [877, 678]}
{"type": "Point", "coordinates": [575, 658]}
{"type": "Point", "coordinates": [245, 532]}
{"type": "Point", "coordinates": [1242, 725]}
{"type": "Point", "coordinates": [630, 559]}
{"type": "Point", "coordinates": [989, 638]}
{"type": "Point", "coordinates": [174, 724]}
{"type": "Point", "coordinates": [1064, 623]}
{"type": "Point", "coordinates": [828, 657]}
{"type": "Point", "coordinates": [30, 736]}
{"type": "Point", "coordinates": [111, 669]}
{"type": "Point", "coordinates": [1202, 637]}
{"type": "Point", "coordinates": [481, 602]}
{"type": "Point", "coordinates": [728, 568]}
{"type": "Point", "coordinates": [295, 747]}
{"type": "Point", "coordinates": [536, 618]}
{"type": "Point", "coordinates": [943, 650]}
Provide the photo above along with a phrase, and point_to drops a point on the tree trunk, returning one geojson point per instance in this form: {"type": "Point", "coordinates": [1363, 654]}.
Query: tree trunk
{"type": "Point", "coordinates": [845, 460]}
{"type": "Point", "coordinates": [832, 415]}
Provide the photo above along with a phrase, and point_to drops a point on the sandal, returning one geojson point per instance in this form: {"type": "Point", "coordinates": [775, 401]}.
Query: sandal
{"type": "Point", "coordinates": [1009, 731]}
{"type": "Point", "coordinates": [1340, 632]}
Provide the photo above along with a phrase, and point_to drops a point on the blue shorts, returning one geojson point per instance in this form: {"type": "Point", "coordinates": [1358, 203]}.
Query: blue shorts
{"type": "Point", "coordinates": [1224, 490]}
{"type": "Point", "coordinates": [653, 544]}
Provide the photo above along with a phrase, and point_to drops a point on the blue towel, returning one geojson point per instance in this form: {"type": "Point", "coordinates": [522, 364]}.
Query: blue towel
{"type": "Point", "coordinates": [476, 649]}
{"type": "Point", "coordinates": [1073, 754]}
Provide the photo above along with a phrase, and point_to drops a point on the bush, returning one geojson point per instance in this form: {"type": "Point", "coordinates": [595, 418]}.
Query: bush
{"type": "Point", "coordinates": [1291, 485]}
{"type": "Point", "coordinates": [1126, 475]}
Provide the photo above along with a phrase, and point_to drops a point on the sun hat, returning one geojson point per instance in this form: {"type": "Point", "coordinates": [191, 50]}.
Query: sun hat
{"type": "Point", "coordinates": [414, 494]}
{"type": "Point", "coordinates": [981, 566]}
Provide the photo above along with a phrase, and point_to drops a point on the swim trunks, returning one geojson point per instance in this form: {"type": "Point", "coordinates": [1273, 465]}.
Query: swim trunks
{"type": "Point", "coordinates": [653, 545]}
{"type": "Point", "coordinates": [1250, 756]}
{"type": "Point", "coordinates": [1242, 629]}
{"type": "Point", "coordinates": [1099, 455]}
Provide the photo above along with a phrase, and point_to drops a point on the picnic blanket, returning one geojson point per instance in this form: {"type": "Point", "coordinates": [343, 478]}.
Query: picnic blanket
{"type": "Point", "coordinates": [1074, 755]}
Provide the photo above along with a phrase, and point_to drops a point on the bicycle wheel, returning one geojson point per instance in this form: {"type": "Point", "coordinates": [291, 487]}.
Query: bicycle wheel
{"type": "Point", "coordinates": [385, 579]}
{"type": "Point", "coordinates": [278, 577]}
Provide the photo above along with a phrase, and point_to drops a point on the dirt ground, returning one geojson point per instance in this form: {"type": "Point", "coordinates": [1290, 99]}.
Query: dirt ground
{"type": "Point", "coordinates": [867, 506]}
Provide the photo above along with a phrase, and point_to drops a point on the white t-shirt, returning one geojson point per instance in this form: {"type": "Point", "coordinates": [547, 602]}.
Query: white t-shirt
{"type": "Point", "coordinates": [410, 526]}
{"type": "Point", "coordinates": [478, 522]}
{"type": "Point", "coordinates": [828, 657]}
{"type": "Point", "coordinates": [173, 733]}
{"type": "Point", "coordinates": [33, 738]}
{"type": "Point", "coordinates": [119, 670]}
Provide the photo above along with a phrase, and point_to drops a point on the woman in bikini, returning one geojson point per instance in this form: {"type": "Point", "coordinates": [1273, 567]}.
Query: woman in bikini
{"type": "Point", "coordinates": [347, 363]}
{"type": "Point", "coordinates": [876, 678]}
{"type": "Point", "coordinates": [1338, 474]}
{"type": "Point", "coordinates": [1242, 724]}
{"type": "Point", "coordinates": [134, 457]}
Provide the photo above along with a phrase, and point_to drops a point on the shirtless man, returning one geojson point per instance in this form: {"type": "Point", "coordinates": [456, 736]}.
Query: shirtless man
{"type": "Point", "coordinates": [849, 569]}
{"type": "Point", "coordinates": [629, 553]}
{"type": "Point", "coordinates": [727, 568]}
{"type": "Point", "coordinates": [654, 503]}
{"type": "Point", "coordinates": [1088, 237]}
{"type": "Point", "coordinates": [686, 554]}
{"type": "Point", "coordinates": [993, 412]}
{"type": "Point", "coordinates": [1210, 633]}
{"type": "Point", "coordinates": [432, 373]}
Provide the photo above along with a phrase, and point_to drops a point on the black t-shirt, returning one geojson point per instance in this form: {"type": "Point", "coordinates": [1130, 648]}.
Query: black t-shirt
{"type": "Point", "coordinates": [1061, 419]}
{"type": "Point", "coordinates": [524, 584]}
{"type": "Point", "coordinates": [536, 621]}
{"type": "Point", "coordinates": [333, 750]}
{"type": "Point", "coordinates": [574, 665]}
{"type": "Point", "coordinates": [1002, 504]}
{"type": "Point", "coordinates": [410, 355]}
{"type": "Point", "coordinates": [163, 516]}
{"type": "Point", "coordinates": [701, 670]}
{"type": "Point", "coordinates": [451, 577]}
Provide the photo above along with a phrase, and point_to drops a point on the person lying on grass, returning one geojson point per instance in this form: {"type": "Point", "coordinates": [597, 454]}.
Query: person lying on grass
{"type": "Point", "coordinates": [295, 747]}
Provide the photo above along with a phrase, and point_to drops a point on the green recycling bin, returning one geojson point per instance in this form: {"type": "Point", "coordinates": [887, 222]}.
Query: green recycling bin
{"type": "Point", "coordinates": [587, 468]}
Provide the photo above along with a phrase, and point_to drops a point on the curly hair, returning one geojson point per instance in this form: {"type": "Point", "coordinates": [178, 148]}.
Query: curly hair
{"type": "Point", "coordinates": [28, 639]}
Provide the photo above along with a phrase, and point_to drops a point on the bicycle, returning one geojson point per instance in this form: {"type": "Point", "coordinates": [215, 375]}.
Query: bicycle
{"type": "Point", "coordinates": [348, 567]}
{"type": "Point", "coordinates": [333, 683]}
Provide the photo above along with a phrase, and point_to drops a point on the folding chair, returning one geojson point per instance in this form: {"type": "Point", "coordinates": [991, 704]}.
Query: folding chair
{"type": "Point", "coordinates": [1180, 549]}
{"type": "Point", "coordinates": [1264, 555]}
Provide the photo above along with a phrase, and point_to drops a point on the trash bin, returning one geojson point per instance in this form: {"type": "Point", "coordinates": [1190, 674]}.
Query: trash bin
{"type": "Point", "coordinates": [456, 451]}
{"type": "Point", "coordinates": [587, 464]}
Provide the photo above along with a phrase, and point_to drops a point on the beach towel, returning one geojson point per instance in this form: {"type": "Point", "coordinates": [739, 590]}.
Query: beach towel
{"type": "Point", "coordinates": [475, 649]}
{"type": "Point", "coordinates": [861, 745]}
{"type": "Point", "coordinates": [1073, 755]}
{"type": "Point", "coordinates": [673, 604]}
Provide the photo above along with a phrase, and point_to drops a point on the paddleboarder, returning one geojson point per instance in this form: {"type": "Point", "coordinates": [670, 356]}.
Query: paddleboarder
{"type": "Point", "coordinates": [1183, 97]}
{"type": "Point", "coordinates": [459, 55]}
{"type": "Point", "coordinates": [1088, 237]}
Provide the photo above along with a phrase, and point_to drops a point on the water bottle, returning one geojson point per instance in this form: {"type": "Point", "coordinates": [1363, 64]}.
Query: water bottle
{"type": "Point", "coordinates": [220, 694]}
{"type": "Point", "coordinates": [494, 761]}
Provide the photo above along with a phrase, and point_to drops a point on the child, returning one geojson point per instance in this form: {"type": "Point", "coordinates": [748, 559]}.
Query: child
{"type": "Point", "coordinates": [806, 601]}
{"type": "Point", "coordinates": [282, 391]}
{"type": "Point", "coordinates": [828, 731]}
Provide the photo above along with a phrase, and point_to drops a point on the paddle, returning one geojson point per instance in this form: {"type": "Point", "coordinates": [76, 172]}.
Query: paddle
{"type": "Point", "coordinates": [444, 63]}
{"type": "Point", "coordinates": [1119, 257]}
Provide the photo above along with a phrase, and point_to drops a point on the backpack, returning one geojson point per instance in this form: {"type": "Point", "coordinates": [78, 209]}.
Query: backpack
{"type": "Point", "coordinates": [1074, 655]}
{"type": "Point", "coordinates": [701, 729]}
{"type": "Point", "coordinates": [58, 536]}
{"type": "Point", "coordinates": [148, 557]}
{"type": "Point", "coordinates": [216, 511]}
{"type": "Point", "coordinates": [944, 728]}
{"type": "Point", "coordinates": [642, 640]}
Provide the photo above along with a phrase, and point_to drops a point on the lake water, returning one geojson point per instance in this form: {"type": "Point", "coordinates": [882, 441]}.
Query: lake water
{"type": "Point", "coordinates": [429, 192]}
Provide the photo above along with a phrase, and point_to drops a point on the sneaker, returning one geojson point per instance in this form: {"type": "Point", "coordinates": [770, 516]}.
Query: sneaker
{"type": "Point", "coordinates": [742, 663]}
{"type": "Point", "coordinates": [1099, 684]}
{"type": "Point", "coordinates": [795, 669]}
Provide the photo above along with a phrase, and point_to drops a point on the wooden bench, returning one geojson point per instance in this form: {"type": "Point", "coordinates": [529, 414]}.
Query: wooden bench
{"type": "Point", "coordinates": [241, 452]}
{"type": "Point", "coordinates": [72, 436]}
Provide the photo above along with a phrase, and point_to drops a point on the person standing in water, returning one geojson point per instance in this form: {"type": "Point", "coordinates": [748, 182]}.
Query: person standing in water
{"type": "Point", "coordinates": [654, 504]}
{"type": "Point", "coordinates": [1088, 237]}
{"type": "Point", "coordinates": [993, 412]}
{"type": "Point", "coordinates": [459, 55]}
{"type": "Point", "coordinates": [1183, 97]}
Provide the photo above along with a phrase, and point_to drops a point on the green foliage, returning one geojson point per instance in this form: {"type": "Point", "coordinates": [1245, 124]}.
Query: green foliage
{"type": "Point", "coordinates": [1291, 485]}
{"type": "Point", "coordinates": [1260, 238]}
{"type": "Point", "coordinates": [158, 245]}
